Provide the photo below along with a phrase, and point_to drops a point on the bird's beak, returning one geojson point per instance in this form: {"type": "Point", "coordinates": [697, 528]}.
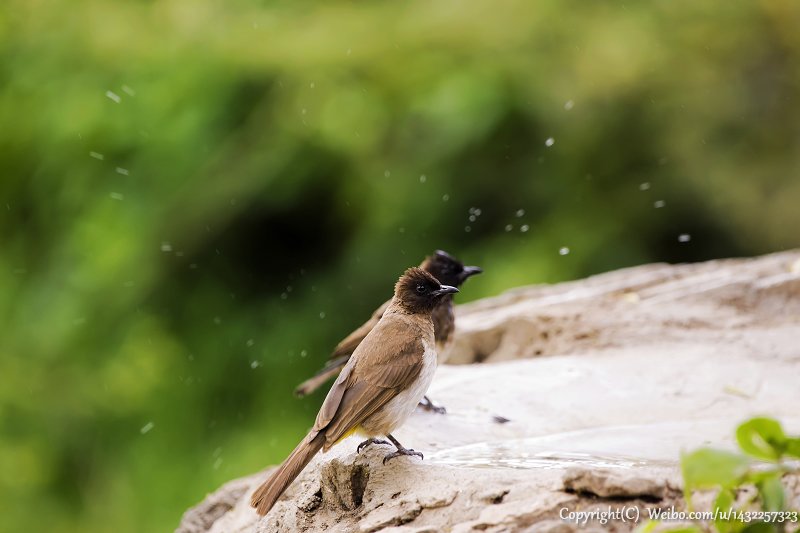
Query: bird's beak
{"type": "Point", "coordinates": [445, 289]}
{"type": "Point", "coordinates": [470, 271]}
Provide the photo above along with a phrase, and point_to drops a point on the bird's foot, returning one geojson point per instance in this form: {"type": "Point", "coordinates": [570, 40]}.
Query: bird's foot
{"type": "Point", "coordinates": [428, 405]}
{"type": "Point", "coordinates": [401, 450]}
{"type": "Point", "coordinates": [370, 442]}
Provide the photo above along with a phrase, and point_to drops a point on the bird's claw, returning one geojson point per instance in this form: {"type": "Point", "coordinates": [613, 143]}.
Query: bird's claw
{"type": "Point", "coordinates": [399, 452]}
{"type": "Point", "coordinates": [428, 405]}
{"type": "Point", "coordinates": [369, 442]}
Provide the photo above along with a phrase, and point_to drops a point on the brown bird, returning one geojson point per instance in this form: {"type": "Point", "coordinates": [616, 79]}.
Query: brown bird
{"type": "Point", "coordinates": [445, 268]}
{"type": "Point", "coordinates": [378, 388]}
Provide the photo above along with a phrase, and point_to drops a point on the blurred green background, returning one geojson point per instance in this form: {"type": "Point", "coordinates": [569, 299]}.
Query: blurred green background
{"type": "Point", "coordinates": [199, 198]}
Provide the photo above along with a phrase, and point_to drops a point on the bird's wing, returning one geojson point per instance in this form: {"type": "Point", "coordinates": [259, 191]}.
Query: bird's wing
{"type": "Point", "coordinates": [388, 360]}
{"type": "Point", "coordinates": [341, 354]}
{"type": "Point", "coordinates": [331, 369]}
{"type": "Point", "coordinates": [349, 344]}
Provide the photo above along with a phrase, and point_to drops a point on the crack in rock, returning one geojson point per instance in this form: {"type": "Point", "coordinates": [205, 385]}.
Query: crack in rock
{"type": "Point", "coordinates": [344, 483]}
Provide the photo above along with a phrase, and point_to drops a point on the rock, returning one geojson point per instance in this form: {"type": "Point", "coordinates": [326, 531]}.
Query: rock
{"type": "Point", "coordinates": [601, 383]}
{"type": "Point", "coordinates": [344, 483]}
{"type": "Point", "coordinates": [217, 512]}
{"type": "Point", "coordinates": [613, 484]}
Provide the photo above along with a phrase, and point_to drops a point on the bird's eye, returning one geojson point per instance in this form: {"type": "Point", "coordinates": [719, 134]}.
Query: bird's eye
{"type": "Point", "coordinates": [420, 289]}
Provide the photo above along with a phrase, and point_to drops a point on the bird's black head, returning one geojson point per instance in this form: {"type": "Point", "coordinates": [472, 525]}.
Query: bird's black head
{"type": "Point", "coordinates": [448, 269]}
{"type": "Point", "coordinates": [419, 292]}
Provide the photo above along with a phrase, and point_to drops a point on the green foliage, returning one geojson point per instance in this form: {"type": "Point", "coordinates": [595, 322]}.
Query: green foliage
{"type": "Point", "coordinates": [724, 501]}
{"type": "Point", "coordinates": [199, 199]}
{"type": "Point", "coordinates": [762, 438]}
{"type": "Point", "coordinates": [762, 465]}
{"type": "Point", "coordinates": [653, 525]}
{"type": "Point", "coordinates": [706, 468]}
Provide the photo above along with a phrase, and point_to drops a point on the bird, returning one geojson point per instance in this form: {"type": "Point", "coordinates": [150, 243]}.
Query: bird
{"type": "Point", "coordinates": [445, 268]}
{"type": "Point", "coordinates": [379, 387]}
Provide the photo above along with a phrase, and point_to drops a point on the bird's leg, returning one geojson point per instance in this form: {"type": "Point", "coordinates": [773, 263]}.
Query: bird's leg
{"type": "Point", "coordinates": [369, 442]}
{"type": "Point", "coordinates": [428, 405]}
{"type": "Point", "coordinates": [401, 450]}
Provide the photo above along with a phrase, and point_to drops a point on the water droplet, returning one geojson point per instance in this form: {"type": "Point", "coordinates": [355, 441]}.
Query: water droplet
{"type": "Point", "coordinates": [113, 96]}
{"type": "Point", "coordinates": [386, 173]}
{"type": "Point", "coordinates": [569, 104]}
{"type": "Point", "coordinates": [217, 320]}
{"type": "Point", "coordinates": [445, 197]}
{"type": "Point", "coordinates": [166, 246]}
{"type": "Point", "coordinates": [303, 111]}
{"type": "Point", "coordinates": [472, 218]}
{"type": "Point", "coordinates": [563, 250]}
{"type": "Point", "coordinates": [467, 229]}
{"type": "Point", "coordinates": [477, 211]}
{"type": "Point", "coordinates": [312, 85]}
{"type": "Point", "coordinates": [97, 155]}
{"type": "Point", "coordinates": [123, 171]}
{"type": "Point", "coordinates": [250, 343]}
{"type": "Point", "coordinates": [549, 142]}
{"type": "Point", "coordinates": [658, 204]}
{"type": "Point", "coordinates": [644, 186]}
{"type": "Point", "coordinates": [684, 237]}
{"type": "Point", "coordinates": [303, 353]}
{"type": "Point", "coordinates": [423, 178]}
{"type": "Point", "coordinates": [509, 227]}
{"type": "Point", "coordinates": [524, 228]}
{"type": "Point", "coordinates": [217, 463]}
{"type": "Point", "coordinates": [284, 296]}
{"type": "Point", "coordinates": [128, 90]}
{"type": "Point", "coordinates": [117, 196]}
{"type": "Point", "coordinates": [520, 213]}
{"type": "Point", "coordinates": [254, 364]}
{"type": "Point", "coordinates": [147, 427]}
{"type": "Point", "coordinates": [322, 314]}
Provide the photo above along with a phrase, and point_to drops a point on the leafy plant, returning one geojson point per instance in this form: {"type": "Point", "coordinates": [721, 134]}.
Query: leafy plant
{"type": "Point", "coordinates": [765, 459]}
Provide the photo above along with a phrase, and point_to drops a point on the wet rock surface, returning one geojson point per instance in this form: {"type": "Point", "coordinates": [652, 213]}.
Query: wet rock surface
{"type": "Point", "coordinates": [603, 381]}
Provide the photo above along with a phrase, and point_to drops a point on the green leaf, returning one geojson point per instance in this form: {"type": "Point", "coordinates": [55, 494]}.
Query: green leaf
{"type": "Point", "coordinates": [708, 468]}
{"type": "Point", "coordinates": [762, 438]}
{"type": "Point", "coordinates": [647, 527]}
{"type": "Point", "coordinates": [760, 527]}
{"type": "Point", "coordinates": [792, 447]}
{"type": "Point", "coordinates": [771, 492]}
{"type": "Point", "coordinates": [724, 503]}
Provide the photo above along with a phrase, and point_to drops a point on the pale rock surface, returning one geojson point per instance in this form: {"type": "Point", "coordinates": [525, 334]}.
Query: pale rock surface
{"type": "Point", "coordinates": [604, 382]}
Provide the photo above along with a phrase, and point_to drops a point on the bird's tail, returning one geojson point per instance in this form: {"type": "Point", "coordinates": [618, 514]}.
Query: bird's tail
{"type": "Point", "coordinates": [268, 493]}
{"type": "Point", "coordinates": [333, 367]}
